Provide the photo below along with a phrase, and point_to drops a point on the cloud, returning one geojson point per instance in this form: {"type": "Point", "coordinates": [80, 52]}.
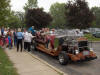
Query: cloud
{"type": "Point", "coordinates": [17, 5]}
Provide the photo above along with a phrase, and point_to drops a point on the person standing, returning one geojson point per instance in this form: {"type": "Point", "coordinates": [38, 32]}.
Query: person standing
{"type": "Point", "coordinates": [2, 31]}
{"type": "Point", "coordinates": [29, 40]}
{"type": "Point", "coordinates": [52, 38]}
{"type": "Point", "coordinates": [9, 42]}
{"type": "Point", "coordinates": [19, 35]}
{"type": "Point", "coordinates": [25, 34]}
{"type": "Point", "coordinates": [5, 32]}
{"type": "Point", "coordinates": [9, 34]}
{"type": "Point", "coordinates": [15, 37]}
{"type": "Point", "coordinates": [3, 36]}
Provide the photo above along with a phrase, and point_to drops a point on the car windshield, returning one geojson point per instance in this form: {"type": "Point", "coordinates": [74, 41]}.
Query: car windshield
{"type": "Point", "coordinates": [83, 43]}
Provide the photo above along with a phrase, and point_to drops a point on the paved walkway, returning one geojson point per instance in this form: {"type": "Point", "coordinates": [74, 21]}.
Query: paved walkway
{"type": "Point", "coordinates": [27, 65]}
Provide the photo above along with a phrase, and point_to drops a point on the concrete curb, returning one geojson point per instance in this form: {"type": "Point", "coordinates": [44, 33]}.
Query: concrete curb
{"type": "Point", "coordinates": [44, 62]}
{"type": "Point", "coordinates": [94, 41]}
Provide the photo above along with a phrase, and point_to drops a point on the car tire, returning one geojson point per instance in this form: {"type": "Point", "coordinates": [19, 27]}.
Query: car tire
{"type": "Point", "coordinates": [63, 58]}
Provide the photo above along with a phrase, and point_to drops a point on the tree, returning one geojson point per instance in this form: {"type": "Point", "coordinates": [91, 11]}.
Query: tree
{"type": "Point", "coordinates": [78, 14]}
{"type": "Point", "coordinates": [21, 17]}
{"type": "Point", "coordinates": [30, 5]}
{"type": "Point", "coordinates": [13, 21]}
{"type": "Point", "coordinates": [4, 11]}
{"type": "Point", "coordinates": [38, 18]}
{"type": "Point", "coordinates": [57, 11]}
{"type": "Point", "coordinates": [96, 11]}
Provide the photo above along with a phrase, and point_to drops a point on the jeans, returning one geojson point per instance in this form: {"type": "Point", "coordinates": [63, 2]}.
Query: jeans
{"type": "Point", "coordinates": [19, 43]}
{"type": "Point", "coordinates": [28, 45]}
{"type": "Point", "coordinates": [15, 41]}
{"type": "Point", "coordinates": [25, 45]}
{"type": "Point", "coordinates": [10, 45]}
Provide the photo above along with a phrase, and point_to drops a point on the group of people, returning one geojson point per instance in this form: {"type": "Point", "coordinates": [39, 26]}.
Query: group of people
{"type": "Point", "coordinates": [5, 37]}
{"type": "Point", "coordinates": [46, 36]}
{"type": "Point", "coordinates": [18, 38]}
{"type": "Point", "coordinates": [10, 38]}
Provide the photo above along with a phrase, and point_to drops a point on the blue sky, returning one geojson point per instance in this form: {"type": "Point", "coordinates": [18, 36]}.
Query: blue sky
{"type": "Point", "coordinates": [17, 5]}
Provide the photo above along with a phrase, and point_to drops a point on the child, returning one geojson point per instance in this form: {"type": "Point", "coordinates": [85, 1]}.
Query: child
{"type": "Point", "coordinates": [10, 41]}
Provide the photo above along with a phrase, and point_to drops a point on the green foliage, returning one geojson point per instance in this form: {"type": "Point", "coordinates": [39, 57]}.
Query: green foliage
{"type": "Point", "coordinates": [4, 11]}
{"type": "Point", "coordinates": [57, 11]}
{"type": "Point", "coordinates": [21, 17]}
{"type": "Point", "coordinates": [38, 18]}
{"type": "Point", "coordinates": [56, 43]}
{"type": "Point", "coordinates": [78, 14]}
{"type": "Point", "coordinates": [91, 38]}
{"type": "Point", "coordinates": [6, 66]}
{"type": "Point", "coordinates": [96, 11]}
{"type": "Point", "coordinates": [14, 20]}
{"type": "Point", "coordinates": [8, 17]}
{"type": "Point", "coordinates": [30, 5]}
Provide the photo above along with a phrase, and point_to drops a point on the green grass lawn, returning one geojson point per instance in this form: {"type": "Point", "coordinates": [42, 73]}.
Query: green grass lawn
{"type": "Point", "coordinates": [91, 38]}
{"type": "Point", "coordinates": [6, 66]}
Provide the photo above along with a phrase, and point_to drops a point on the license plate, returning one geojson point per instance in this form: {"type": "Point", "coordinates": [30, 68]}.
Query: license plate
{"type": "Point", "coordinates": [85, 53]}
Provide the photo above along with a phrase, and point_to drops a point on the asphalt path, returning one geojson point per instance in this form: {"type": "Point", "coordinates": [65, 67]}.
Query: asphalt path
{"type": "Point", "coordinates": [75, 68]}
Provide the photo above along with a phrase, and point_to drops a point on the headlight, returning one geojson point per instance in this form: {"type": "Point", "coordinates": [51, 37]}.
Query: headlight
{"type": "Point", "coordinates": [91, 49]}
{"type": "Point", "coordinates": [76, 51]}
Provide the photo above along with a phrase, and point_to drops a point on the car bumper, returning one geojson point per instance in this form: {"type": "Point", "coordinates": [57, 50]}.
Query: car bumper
{"type": "Point", "coordinates": [80, 57]}
{"type": "Point", "coordinates": [90, 58]}
{"type": "Point", "coordinates": [87, 59]}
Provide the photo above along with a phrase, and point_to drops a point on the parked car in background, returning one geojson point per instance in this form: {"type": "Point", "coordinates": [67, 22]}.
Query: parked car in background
{"type": "Point", "coordinates": [94, 30]}
{"type": "Point", "coordinates": [96, 34]}
{"type": "Point", "coordinates": [85, 31]}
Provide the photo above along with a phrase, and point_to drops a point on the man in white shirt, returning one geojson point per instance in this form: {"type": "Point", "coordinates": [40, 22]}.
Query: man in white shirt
{"type": "Point", "coordinates": [27, 40]}
{"type": "Point", "coordinates": [25, 34]}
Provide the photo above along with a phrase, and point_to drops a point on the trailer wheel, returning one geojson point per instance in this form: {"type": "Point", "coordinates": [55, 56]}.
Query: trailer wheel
{"type": "Point", "coordinates": [63, 58]}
